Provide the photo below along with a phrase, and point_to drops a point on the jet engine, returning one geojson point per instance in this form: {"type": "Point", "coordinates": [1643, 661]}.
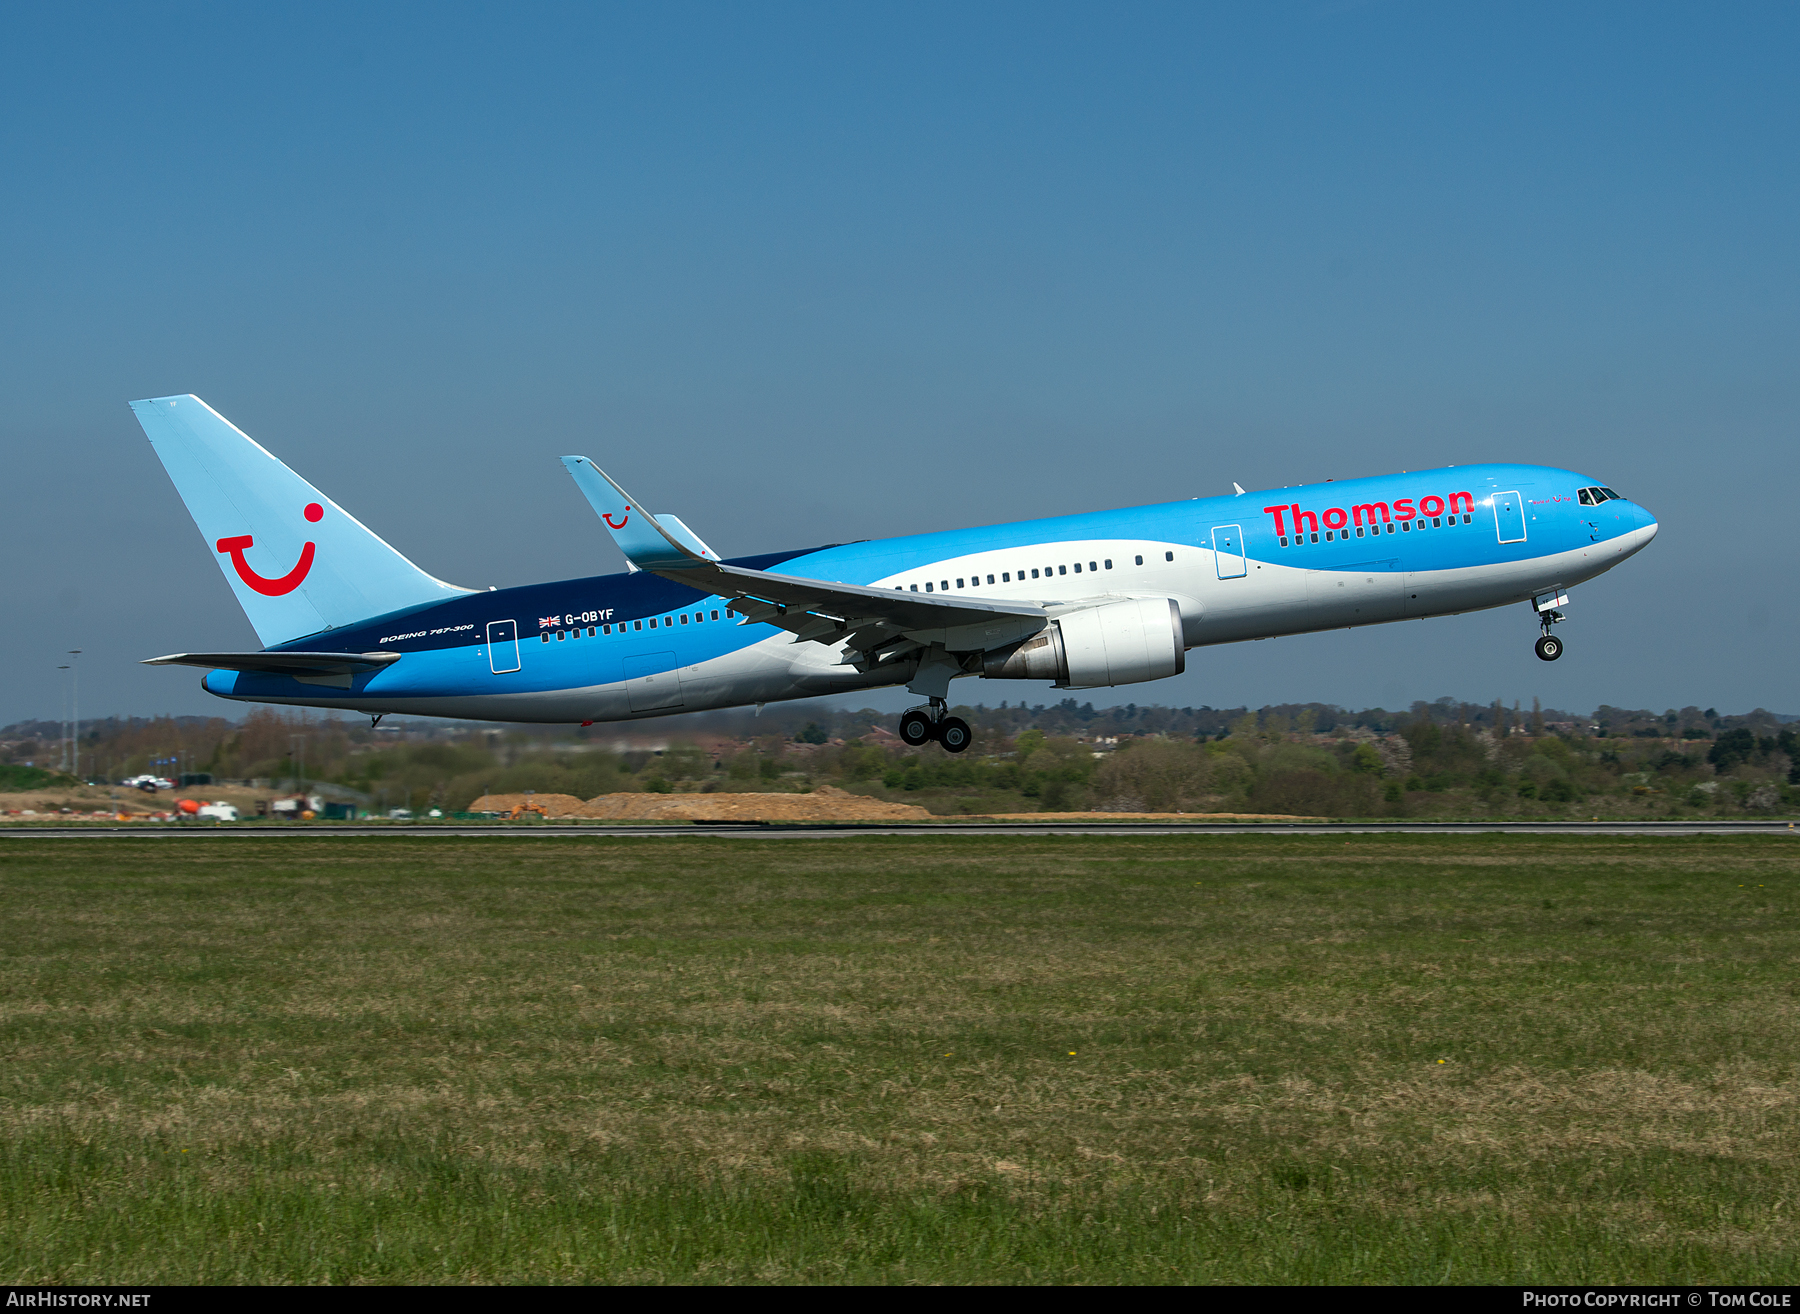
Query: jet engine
{"type": "Point", "coordinates": [1124, 642]}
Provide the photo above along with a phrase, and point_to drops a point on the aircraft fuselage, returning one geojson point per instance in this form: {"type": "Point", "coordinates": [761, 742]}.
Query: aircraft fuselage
{"type": "Point", "coordinates": [1286, 561]}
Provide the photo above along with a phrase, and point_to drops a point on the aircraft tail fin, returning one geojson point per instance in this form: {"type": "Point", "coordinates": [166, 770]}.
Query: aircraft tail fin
{"type": "Point", "coordinates": [297, 561]}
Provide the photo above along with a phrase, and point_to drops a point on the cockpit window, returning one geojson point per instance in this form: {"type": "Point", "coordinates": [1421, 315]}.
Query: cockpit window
{"type": "Point", "coordinates": [1585, 497]}
{"type": "Point", "coordinates": [1609, 492]}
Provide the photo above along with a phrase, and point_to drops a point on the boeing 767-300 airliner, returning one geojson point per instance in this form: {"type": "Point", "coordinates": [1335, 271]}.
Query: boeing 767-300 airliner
{"type": "Point", "coordinates": [1083, 601]}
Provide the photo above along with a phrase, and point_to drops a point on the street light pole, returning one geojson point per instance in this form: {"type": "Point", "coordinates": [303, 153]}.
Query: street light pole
{"type": "Point", "coordinates": [62, 727]}
{"type": "Point", "coordinates": [75, 705]}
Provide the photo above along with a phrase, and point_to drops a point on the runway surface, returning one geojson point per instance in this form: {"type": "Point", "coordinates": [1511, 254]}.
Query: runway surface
{"type": "Point", "coordinates": [835, 830]}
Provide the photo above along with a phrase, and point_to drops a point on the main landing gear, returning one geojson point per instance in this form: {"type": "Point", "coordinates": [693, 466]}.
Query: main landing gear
{"type": "Point", "coordinates": [920, 726]}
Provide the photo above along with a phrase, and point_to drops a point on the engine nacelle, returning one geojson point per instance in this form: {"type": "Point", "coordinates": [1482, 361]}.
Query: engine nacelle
{"type": "Point", "coordinates": [1124, 642]}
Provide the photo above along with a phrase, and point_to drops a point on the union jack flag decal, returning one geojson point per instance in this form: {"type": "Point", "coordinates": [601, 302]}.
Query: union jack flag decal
{"type": "Point", "coordinates": [549, 622]}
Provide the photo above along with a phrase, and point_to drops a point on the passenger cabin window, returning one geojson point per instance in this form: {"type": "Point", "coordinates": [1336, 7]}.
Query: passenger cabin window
{"type": "Point", "coordinates": [944, 586]}
{"type": "Point", "coordinates": [1109, 563]}
{"type": "Point", "coordinates": [715, 615]}
{"type": "Point", "coordinates": [1092, 567]}
{"type": "Point", "coordinates": [928, 586]}
{"type": "Point", "coordinates": [990, 579]}
{"type": "Point", "coordinates": [1062, 570]}
{"type": "Point", "coordinates": [1077, 567]}
{"type": "Point", "coordinates": [1006, 577]}
{"type": "Point", "coordinates": [1034, 574]}
{"type": "Point", "coordinates": [1168, 556]}
{"type": "Point", "coordinates": [1140, 561]}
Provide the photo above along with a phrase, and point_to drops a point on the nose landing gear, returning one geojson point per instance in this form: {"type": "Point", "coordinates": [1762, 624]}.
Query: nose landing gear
{"type": "Point", "coordinates": [919, 726]}
{"type": "Point", "coordinates": [1548, 646]}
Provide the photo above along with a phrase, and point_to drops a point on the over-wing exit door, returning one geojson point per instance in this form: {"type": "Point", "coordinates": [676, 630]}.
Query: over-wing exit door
{"type": "Point", "coordinates": [503, 646]}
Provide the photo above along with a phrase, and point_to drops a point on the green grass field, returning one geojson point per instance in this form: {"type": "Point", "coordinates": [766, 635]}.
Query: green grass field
{"type": "Point", "coordinates": [950, 1059]}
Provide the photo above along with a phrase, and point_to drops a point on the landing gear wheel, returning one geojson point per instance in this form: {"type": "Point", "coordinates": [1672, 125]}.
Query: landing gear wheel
{"type": "Point", "coordinates": [1549, 648]}
{"type": "Point", "coordinates": [953, 734]}
{"type": "Point", "coordinates": [916, 729]}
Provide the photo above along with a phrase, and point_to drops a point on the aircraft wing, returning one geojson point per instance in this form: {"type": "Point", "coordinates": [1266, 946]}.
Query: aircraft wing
{"type": "Point", "coordinates": [877, 624]}
{"type": "Point", "coordinates": [869, 620]}
{"type": "Point", "coordinates": [281, 663]}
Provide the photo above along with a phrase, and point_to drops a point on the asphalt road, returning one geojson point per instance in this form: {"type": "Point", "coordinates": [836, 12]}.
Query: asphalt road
{"type": "Point", "coordinates": [800, 830]}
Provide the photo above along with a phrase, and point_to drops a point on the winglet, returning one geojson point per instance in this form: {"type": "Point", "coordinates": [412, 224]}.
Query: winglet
{"type": "Point", "coordinates": [645, 543]}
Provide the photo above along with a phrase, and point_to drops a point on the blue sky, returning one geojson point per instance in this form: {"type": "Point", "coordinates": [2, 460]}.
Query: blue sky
{"type": "Point", "coordinates": [803, 274]}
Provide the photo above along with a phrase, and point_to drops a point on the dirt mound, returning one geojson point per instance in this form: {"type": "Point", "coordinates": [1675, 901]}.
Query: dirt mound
{"type": "Point", "coordinates": [554, 805]}
{"type": "Point", "coordinates": [825, 804]}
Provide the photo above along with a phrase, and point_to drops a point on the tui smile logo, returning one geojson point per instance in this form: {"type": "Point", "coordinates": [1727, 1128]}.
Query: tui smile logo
{"type": "Point", "coordinates": [272, 588]}
{"type": "Point", "coordinates": [622, 523]}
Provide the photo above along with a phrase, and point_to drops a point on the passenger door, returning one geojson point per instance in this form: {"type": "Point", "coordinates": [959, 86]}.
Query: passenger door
{"type": "Point", "coordinates": [1228, 551]}
{"type": "Point", "coordinates": [1509, 517]}
{"type": "Point", "coordinates": [503, 646]}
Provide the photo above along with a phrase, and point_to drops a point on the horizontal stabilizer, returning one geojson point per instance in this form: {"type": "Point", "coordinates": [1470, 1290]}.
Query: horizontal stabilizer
{"type": "Point", "coordinates": [281, 663]}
